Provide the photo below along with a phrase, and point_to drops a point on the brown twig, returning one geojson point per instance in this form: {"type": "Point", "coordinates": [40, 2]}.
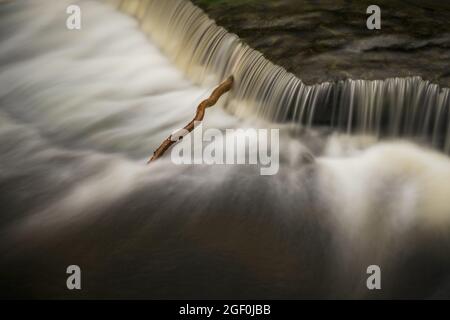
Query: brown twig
{"type": "Point", "coordinates": [212, 100]}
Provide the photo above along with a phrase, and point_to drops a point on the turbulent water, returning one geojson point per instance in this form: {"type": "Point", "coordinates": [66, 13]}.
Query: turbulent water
{"type": "Point", "coordinates": [81, 111]}
{"type": "Point", "coordinates": [408, 107]}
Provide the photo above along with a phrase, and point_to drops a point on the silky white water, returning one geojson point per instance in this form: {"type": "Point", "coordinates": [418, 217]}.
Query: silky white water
{"type": "Point", "coordinates": [80, 113]}
{"type": "Point", "coordinates": [395, 107]}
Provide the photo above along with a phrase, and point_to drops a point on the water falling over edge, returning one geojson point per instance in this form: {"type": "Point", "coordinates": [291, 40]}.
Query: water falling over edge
{"type": "Point", "coordinates": [79, 112]}
{"type": "Point", "coordinates": [395, 107]}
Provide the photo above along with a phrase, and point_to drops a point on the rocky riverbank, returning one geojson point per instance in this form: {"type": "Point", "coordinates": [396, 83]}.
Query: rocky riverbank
{"type": "Point", "coordinates": [328, 40]}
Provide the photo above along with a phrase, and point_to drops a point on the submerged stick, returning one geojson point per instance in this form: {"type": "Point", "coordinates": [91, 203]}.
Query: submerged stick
{"type": "Point", "coordinates": [212, 100]}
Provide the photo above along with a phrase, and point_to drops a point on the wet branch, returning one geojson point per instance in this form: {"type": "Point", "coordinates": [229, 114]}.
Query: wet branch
{"type": "Point", "coordinates": [212, 100]}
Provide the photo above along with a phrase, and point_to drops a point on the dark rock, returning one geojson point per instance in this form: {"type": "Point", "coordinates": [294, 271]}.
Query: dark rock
{"type": "Point", "coordinates": [328, 40]}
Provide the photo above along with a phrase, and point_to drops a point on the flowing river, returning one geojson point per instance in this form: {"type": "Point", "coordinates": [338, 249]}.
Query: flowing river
{"type": "Point", "coordinates": [81, 112]}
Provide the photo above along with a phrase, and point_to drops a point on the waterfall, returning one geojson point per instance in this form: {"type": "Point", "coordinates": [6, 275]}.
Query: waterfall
{"type": "Point", "coordinates": [395, 107]}
{"type": "Point", "coordinates": [81, 111]}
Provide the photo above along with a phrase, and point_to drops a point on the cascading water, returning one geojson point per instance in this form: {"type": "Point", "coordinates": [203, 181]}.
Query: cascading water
{"type": "Point", "coordinates": [397, 107]}
{"type": "Point", "coordinates": [80, 112]}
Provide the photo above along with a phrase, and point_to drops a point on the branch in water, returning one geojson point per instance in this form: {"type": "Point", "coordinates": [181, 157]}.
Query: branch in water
{"type": "Point", "coordinates": [212, 100]}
